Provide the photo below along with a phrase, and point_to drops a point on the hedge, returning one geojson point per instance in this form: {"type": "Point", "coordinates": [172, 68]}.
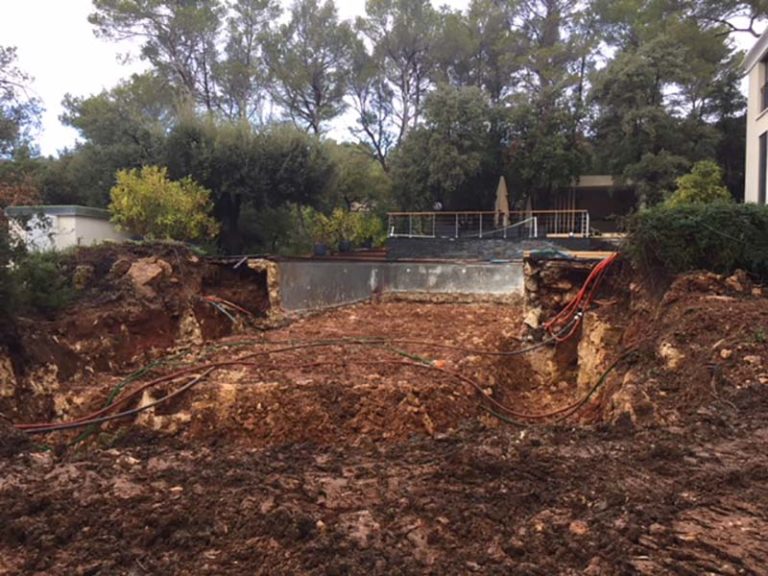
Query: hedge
{"type": "Point", "coordinates": [720, 237]}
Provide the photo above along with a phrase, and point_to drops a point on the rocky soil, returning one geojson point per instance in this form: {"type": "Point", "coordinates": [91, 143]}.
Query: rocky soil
{"type": "Point", "coordinates": [303, 452]}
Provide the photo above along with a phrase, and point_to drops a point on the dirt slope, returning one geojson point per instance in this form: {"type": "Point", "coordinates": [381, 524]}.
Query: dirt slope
{"type": "Point", "coordinates": [318, 461]}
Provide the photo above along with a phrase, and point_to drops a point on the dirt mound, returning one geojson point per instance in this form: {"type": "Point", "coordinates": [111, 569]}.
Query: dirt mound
{"type": "Point", "coordinates": [598, 502]}
{"type": "Point", "coordinates": [351, 375]}
{"type": "Point", "coordinates": [701, 343]}
{"type": "Point", "coordinates": [12, 441]}
{"type": "Point", "coordinates": [328, 447]}
{"type": "Point", "coordinates": [133, 302]}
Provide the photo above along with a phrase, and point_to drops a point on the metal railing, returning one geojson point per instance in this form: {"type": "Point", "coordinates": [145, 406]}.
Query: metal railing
{"type": "Point", "coordinates": [514, 226]}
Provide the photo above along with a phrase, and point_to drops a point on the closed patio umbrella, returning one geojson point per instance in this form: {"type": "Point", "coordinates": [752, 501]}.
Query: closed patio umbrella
{"type": "Point", "coordinates": [502, 203]}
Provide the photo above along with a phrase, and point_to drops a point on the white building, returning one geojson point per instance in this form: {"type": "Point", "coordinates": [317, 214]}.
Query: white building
{"type": "Point", "coordinates": [44, 228]}
{"type": "Point", "coordinates": [757, 123]}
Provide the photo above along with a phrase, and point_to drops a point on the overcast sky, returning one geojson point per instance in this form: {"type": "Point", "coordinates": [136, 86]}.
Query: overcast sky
{"type": "Point", "coordinates": [56, 45]}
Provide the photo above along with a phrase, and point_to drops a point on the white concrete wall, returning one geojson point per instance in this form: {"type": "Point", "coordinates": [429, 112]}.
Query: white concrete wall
{"type": "Point", "coordinates": [59, 232]}
{"type": "Point", "coordinates": [757, 124]}
{"type": "Point", "coordinates": [90, 231]}
{"type": "Point", "coordinates": [64, 234]}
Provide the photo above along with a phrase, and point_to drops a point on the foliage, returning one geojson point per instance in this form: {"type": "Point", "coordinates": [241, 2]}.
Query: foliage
{"type": "Point", "coordinates": [179, 39]}
{"type": "Point", "coordinates": [358, 228]}
{"type": "Point", "coordinates": [41, 282]}
{"type": "Point", "coordinates": [667, 98]}
{"type": "Point", "coordinates": [358, 181]}
{"type": "Point", "coordinates": [720, 237]}
{"type": "Point", "coordinates": [703, 185]}
{"type": "Point", "coordinates": [6, 281]}
{"type": "Point", "coordinates": [19, 112]}
{"type": "Point", "coordinates": [310, 59]}
{"type": "Point", "coordinates": [445, 101]}
{"type": "Point", "coordinates": [219, 68]}
{"type": "Point", "coordinates": [147, 203]}
{"type": "Point", "coordinates": [454, 157]}
{"type": "Point", "coordinates": [242, 73]}
{"type": "Point", "coordinates": [122, 128]}
{"type": "Point", "coordinates": [402, 34]}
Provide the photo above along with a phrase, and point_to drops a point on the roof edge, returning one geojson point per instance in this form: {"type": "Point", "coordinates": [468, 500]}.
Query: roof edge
{"type": "Point", "coordinates": [756, 53]}
{"type": "Point", "coordinates": [84, 211]}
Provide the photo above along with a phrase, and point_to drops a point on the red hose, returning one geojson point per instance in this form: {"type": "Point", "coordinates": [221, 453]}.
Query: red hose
{"type": "Point", "coordinates": [576, 308]}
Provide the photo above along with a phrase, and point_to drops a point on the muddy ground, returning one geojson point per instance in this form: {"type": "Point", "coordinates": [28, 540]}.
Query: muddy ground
{"type": "Point", "coordinates": [346, 459]}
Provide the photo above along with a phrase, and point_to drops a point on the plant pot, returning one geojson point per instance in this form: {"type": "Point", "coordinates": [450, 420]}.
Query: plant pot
{"type": "Point", "coordinates": [319, 249]}
{"type": "Point", "coordinates": [345, 246]}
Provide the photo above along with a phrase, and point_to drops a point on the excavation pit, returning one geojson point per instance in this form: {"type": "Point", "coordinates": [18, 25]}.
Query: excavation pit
{"type": "Point", "coordinates": [348, 454]}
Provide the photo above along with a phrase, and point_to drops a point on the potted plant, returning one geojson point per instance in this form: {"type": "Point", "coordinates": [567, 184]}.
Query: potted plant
{"type": "Point", "coordinates": [343, 224]}
{"type": "Point", "coordinates": [321, 231]}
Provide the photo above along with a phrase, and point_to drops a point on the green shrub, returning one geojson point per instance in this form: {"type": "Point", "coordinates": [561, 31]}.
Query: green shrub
{"type": "Point", "coordinates": [147, 203]}
{"type": "Point", "coordinates": [703, 185]}
{"type": "Point", "coordinates": [359, 228]}
{"type": "Point", "coordinates": [41, 282]}
{"type": "Point", "coordinates": [6, 280]}
{"type": "Point", "coordinates": [720, 237]}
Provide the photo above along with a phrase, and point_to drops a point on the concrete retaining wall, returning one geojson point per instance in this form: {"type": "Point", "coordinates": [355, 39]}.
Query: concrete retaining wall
{"type": "Point", "coordinates": [312, 285]}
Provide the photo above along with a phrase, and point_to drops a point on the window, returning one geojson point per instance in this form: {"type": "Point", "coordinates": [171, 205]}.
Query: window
{"type": "Point", "coordinates": [762, 179]}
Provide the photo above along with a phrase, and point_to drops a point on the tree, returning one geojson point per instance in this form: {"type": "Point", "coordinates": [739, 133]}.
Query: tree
{"type": "Point", "coordinates": [547, 111]}
{"type": "Point", "coordinates": [179, 39]}
{"type": "Point", "coordinates": [19, 111]}
{"type": "Point", "coordinates": [479, 48]}
{"type": "Point", "coordinates": [402, 33]}
{"type": "Point", "coordinates": [728, 14]}
{"type": "Point", "coordinates": [372, 100]}
{"type": "Point", "coordinates": [242, 74]}
{"type": "Point", "coordinates": [310, 59]}
{"type": "Point", "coordinates": [124, 127]}
{"type": "Point", "coordinates": [357, 178]}
{"type": "Point", "coordinates": [667, 99]}
{"type": "Point", "coordinates": [454, 157]}
{"type": "Point", "coordinates": [703, 185]}
{"type": "Point", "coordinates": [148, 204]}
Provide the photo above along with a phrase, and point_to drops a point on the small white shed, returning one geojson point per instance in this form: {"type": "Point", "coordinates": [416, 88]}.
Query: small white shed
{"type": "Point", "coordinates": [44, 228]}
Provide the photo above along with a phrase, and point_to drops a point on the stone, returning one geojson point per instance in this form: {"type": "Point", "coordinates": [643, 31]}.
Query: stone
{"type": "Point", "coordinates": [726, 353]}
{"type": "Point", "coordinates": [672, 357]}
{"type": "Point", "coordinates": [145, 272]}
{"type": "Point", "coordinates": [738, 281]}
{"type": "Point", "coordinates": [533, 318]}
{"type": "Point", "coordinates": [361, 528]}
{"type": "Point", "coordinates": [83, 276]}
{"type": "Point", "coordinates": [754, 360]}
{"type": "Point", "coordinates": [120, 267]}
{"type": "Point", "coordinates": [531, 285]}
{"type": "Point", "coordinates": [578, 528]}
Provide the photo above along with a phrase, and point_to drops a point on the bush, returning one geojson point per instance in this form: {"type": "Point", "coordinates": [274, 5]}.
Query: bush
{"type": "Point", "coordinates": [359, 228]}
{"type": "Point", "coordinates": [720, 237]}
{"type": "Point", "coordinates": [41, 283]}
{"type": "Point", "coordinates": [6, 280]}
{"type": "Point", "coordinates": [703, 185]}
{"type": "Point", "coordinates": [148, 204]}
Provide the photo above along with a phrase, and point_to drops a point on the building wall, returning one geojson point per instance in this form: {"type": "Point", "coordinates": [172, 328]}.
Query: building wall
{"type": "Point", "coordinates": [59, 232]}
{"type": "Point", "coordinates": [90, 231]}
{"type": "Point", "coordinates": [757, 124]}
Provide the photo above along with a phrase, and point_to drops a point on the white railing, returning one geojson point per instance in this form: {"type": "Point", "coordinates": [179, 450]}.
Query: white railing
{"type": "Point", "coordinates": [516, 225]}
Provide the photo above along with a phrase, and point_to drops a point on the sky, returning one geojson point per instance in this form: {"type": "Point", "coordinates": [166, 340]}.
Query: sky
{"type": "Point", "coordinates": [56, 46]}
